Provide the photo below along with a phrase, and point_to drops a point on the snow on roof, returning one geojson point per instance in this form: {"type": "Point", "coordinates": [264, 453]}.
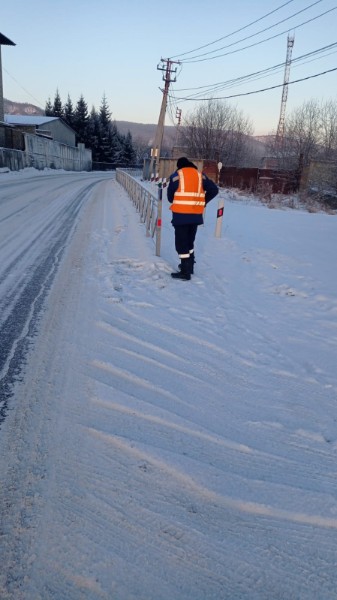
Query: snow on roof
{"type": "Point", "coordinates": [28, 120]}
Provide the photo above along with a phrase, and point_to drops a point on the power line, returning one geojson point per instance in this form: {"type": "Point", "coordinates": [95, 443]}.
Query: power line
{"type": "Point", "coordinates": [234, 32]}
{"type": "Point", "coordinates": [261, 90]}
{"type": "Point", "coordinates": [243, 81]}
{"type": "Point", "coordinates": [251, 76]}
{"type": "Point", "coordinates": [192, 59]}
{"type": "Point", "coordinates": [262, 41]}
{"type": "Point", "coordinates": [24, 89]}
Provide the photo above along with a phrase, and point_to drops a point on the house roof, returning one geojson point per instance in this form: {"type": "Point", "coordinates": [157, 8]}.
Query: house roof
{"type": "Point", "coordinates": [28, 120]}
{"type": "Point", "coordinates": [5, 41]}
{"type": "Point", "coordinates": [35, 121]}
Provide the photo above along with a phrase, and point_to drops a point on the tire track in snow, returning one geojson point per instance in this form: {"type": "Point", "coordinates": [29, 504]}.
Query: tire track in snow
{"type": "Point", "coordinates": [24, 306]}
{"type": "Point", "coordinates": [208, 495]}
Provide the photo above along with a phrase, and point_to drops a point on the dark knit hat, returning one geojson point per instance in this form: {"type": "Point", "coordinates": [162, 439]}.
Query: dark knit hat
{"type": "Point", "coordinates": [184, 162]}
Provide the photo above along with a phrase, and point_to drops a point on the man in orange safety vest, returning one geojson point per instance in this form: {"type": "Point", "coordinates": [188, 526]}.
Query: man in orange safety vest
{"type": "Point", "coordinates": [188, 192]}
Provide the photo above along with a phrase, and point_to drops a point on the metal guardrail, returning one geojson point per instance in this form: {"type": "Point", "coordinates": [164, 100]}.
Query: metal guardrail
{"type": "Point", "coordinates": [147, 204]}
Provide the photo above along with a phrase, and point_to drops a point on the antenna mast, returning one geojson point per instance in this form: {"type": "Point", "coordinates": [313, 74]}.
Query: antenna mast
{"type": "Point", "coordinates": [280, 128]}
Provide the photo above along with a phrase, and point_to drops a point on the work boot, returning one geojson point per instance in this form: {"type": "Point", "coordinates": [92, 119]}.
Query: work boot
{"type": "Point", "coordinates": [185, 270]}
{"type": "Point", "coordinates": [192, 261]}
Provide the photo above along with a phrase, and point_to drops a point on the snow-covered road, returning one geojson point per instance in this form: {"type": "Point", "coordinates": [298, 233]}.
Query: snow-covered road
{"type": "Point", "coordinates": [35, 224]}
{"type": "Point", "coordinates": [164, 439]}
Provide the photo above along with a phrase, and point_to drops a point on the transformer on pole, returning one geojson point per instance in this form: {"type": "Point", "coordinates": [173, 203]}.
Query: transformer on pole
{"type": "Point", "coordinates": [280, 128]}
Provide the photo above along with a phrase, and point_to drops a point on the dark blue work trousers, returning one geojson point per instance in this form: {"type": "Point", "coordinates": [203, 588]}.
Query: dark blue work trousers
{"type": "Point", "coordinates": [184, 239]}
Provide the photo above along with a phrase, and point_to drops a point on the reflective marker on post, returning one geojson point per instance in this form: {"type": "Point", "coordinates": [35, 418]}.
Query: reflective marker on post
{"type": "Point", "coordinates": [219, 216]}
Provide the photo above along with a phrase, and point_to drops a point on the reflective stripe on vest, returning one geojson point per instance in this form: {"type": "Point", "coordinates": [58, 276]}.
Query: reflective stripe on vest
{"type": "Point", "coordinates": [190, 196]}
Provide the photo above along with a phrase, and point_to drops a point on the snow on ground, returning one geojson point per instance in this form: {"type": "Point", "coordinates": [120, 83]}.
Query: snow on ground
{"type": "Point", "coordinates": [175, 440]}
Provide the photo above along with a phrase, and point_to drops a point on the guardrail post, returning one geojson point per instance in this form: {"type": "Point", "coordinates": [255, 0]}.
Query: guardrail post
{"type": "Point", "coordinates": [159, 219]}
{"type": "Point", "coordinates": [219, 216]}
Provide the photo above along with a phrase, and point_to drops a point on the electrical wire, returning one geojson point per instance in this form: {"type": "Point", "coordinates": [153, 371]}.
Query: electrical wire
{"type": "Point", "coordinates": [24, 89]}
{"type": "Point", "coordinates": [270, 74]}
{"type": "Point", "coordinates": [252, 76]}
{"type": "Point", "coordinates": [192, 59]}
{"type": "Point", "coordinates": [262, 41]}
{"type": "Point", "coordinates": [261, 90]}
{"type": "Point", "coordinates": [211, 92]}
{"type": "Point", "coordinates": [234, 32]}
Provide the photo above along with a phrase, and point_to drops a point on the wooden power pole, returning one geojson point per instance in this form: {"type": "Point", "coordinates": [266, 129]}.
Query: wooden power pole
{"type": "Point", "coordinates": [167, 67]}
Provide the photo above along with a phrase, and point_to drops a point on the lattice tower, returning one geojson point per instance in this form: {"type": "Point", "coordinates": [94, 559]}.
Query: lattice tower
{"type": "Point", "coordinates": [280, 128]}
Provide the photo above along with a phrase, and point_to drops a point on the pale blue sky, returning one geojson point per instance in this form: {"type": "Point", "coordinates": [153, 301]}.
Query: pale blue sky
{"type": "Point", "coordinates": [104, 46]}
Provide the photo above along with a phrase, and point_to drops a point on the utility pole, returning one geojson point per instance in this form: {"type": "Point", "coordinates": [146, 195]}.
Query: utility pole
{"type": "Point", "coordinates": [167, 67]}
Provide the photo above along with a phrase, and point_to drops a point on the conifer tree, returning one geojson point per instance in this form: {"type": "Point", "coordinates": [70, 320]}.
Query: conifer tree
{"type": "Point", "coordinates": [104, 113]}
{"type": "Point", "coordinates": [105, 150]}
{"type": "Point", "coordinates": [48, 108]}
{"type": "Point", "coordinates": [57, 107]}
{"type": "Point", "coordinates": [97, 131]}
{"type": "Point", "coordinates": [129, 154]}
{"type": "Point", "coordinates": [116, 144]}
{"type": "Point", "coordinates": [94, 134]}
{"type": "Point", "coordinates": [68, 112]}
{"type": "Point", "coordinates": [81, 119]}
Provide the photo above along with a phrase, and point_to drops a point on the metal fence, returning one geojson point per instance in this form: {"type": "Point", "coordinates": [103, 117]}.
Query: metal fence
{"type": "Point", "coordinates": [147, 204]}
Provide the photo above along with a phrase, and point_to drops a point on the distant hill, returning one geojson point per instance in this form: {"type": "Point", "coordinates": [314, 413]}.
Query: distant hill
{"type": "Point", "coordinates": [145, 132]}
{"type": "Point", "coordinates": [21, 108]}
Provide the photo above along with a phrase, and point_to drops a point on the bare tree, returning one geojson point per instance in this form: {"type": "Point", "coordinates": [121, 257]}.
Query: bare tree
{"type": "Point", "coordinates": [302, 132]}
{"type": "Point", "coordinates": [216, 131]}
{"type": "Point", "coordinates": [310, 140]}
{"type": "Point", "coordinates": [142, 149]}
{"type": "Point", "coordinates": [328, 130]}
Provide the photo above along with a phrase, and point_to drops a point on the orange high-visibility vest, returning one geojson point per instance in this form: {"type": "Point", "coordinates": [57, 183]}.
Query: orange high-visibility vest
{"type": "Point", "coordinates": [190, 196]}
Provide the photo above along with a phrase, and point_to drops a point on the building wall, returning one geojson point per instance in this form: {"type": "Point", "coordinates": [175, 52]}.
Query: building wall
{"type": "Point", "coordinates": [60, 132]}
